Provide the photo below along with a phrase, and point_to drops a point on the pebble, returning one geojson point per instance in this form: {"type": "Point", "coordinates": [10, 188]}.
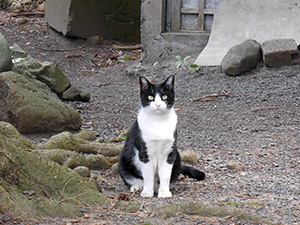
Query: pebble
{"type": "Point", "coordinates": [235, 166]}
{"type": "Point", "coordinates": [21, 21]}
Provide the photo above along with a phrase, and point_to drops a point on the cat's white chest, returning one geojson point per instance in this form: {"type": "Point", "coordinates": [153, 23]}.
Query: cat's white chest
{"type": "Point", "coordinates": [157, 127]}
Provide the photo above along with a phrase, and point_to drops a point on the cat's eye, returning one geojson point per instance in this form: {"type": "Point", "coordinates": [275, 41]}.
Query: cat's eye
{"type": "Point", "coordinates": [150, 97]}
{"type": "Point", "coordinates": [164, 97]}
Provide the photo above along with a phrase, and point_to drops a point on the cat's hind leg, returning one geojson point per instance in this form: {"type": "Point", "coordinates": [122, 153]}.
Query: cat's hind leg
{"type": "Point", "coordinates": [136, 184]}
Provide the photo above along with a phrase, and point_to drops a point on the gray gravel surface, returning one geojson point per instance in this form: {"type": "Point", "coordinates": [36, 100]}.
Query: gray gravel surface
{"type": "Point", "coordinates": [256, 125]}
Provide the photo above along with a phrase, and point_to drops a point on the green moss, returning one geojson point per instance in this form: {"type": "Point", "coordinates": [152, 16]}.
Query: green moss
{"type": "Point", "coordinates": [73, 159]}
{"type": "Point", "coordinates": [64, 140]}
{"type": "Point", "coordinates": [254, 203]}
{"type": "Point", "coordinates": [244, 203]}
{"type": "Point", "coordinates": [86, 135]}
{"type": "Point", "coordinates": [200, 209]}
{"type": "Point", "coordinates": [68, 141]}
{"type": "Point", "coordinates": [233, 203]}
{"type": "Point", "coordinates": [58, 189]}
{"type": "Point", "coordinates": [12, 134]}
{"type": "Point", "coordinates": [127, 206]}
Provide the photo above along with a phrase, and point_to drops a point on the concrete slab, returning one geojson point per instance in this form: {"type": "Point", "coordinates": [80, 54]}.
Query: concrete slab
{"type": "Point", "coordinates": [113, 20]}
{"type": "Point", "coordinates": [238, 20]}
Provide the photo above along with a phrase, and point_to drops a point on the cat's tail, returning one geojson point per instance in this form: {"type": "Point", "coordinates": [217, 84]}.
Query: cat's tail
{"type": "Point", "coordinates": [192, 172]}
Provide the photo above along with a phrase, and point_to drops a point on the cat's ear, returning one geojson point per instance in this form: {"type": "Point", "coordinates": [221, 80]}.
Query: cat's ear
{"type": "Point", "coordinates": [144, 84]}
{"type": "Point", "coordinates": [169, 83]}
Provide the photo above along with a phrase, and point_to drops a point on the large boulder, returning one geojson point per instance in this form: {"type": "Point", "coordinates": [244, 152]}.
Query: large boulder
{"type": "Point", "coordinates": [279, 52]}
{"type": "Point", "coordinates": [35, 187]}
{"type": "Point", "coordinates": [5, 55]}
{"type": "Point", "coordinates": [45, 72]}
{"type": "Point", "coordinates": [113, 20]}
{"type": "Point", "coordinates": [32, 107]}
{"type": "Point", "coordinates": [241, 58]}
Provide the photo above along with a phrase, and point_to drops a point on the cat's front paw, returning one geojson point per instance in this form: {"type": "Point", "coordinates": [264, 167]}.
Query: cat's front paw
{"type": "Point", "coordinates": [164, 194]}
{"type": "Point", "coordinates": [146, 194]}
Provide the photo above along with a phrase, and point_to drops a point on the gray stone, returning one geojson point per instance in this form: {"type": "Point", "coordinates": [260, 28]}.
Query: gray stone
{"type": "Point", "coordinates": [74, 94]}
{"type": "Point", "coordinates": [280, 52]}
{"type": "Point", "coordinates": [113, 20]}
{"type": "Point", "coordinates": [45, 72]}
{"type": "Point", "coordinates": [5, 55]}
{"type": "Point", "coordinates": [136, 69]}
{"type": "Point", "coordinates": [32, 107]}
{"type": "Point", "coordinates": [82, 171]}
{"type": "Point", "coordinates": [85, 96]}
{"type": "Point", "coordinates": [242, 58]}
{"type": "Point", "coordinates": [17, 52]}
{"type": "Point", "coordinates": [115, 169]}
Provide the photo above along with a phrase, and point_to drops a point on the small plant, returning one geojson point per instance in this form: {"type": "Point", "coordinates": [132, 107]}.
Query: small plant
{"type": "Point", "coordinates": [195, 66]}
{"type": "Point", "coordinates": [181, 62]}
{"type": "Point", "coordinates": [184, 62]}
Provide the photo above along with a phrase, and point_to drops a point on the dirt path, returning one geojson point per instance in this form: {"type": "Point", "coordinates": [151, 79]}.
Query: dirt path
{"type": "Point", "coordinates": [256, 126]}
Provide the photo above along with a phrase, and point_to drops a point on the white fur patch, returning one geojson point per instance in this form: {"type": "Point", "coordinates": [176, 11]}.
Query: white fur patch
{"type": "Point", "coordinates": [157, 124]}
{"type": "Point", "coordinates": [157, 128]}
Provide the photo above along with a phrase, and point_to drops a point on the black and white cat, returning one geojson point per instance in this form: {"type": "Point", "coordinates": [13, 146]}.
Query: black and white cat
{"type": "Point", "coordinates": [149, 160]}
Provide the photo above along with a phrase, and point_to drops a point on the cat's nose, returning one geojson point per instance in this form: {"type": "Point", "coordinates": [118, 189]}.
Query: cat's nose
{"type": "Point", "coordinates": [158, 105]}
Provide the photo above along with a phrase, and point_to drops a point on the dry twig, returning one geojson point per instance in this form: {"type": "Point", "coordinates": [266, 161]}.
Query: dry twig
{"type": "Point", "coordinates": [212, 97]}
{"type": "Point", "coordinates": [127, 47]}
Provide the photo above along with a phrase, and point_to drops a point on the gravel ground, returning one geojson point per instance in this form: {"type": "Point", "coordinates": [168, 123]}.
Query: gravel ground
{"type": "Point", "coordinates": [251, 120]}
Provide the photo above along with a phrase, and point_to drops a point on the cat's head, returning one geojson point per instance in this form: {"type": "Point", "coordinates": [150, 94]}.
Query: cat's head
{"type": "Point", "coordinates": [157, 98]}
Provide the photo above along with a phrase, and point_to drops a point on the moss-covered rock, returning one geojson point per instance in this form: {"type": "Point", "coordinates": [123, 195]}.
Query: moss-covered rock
{"type": "Point", "coordinates": [82, 171]}
{"type": "Point", "coordinates": [67, 140]}
{"type": "Point", "coordinates": [57, 188]}
{"type": "Point", "coordinates": [73, 159]}
{"type": "Point", "coordinates": [200, 209]}
{"type": "Point", "coordinates": [87, 135]}
{"type": "Point", "coordinates": [5, 55]}
{"type": "Point", "coordinates": [62, 156]}
{"type": "Point", "coordinates": [45, 72]}
{"type": "Point", "coordinates": [32, 107]}
{"type": "Point", "coordinates": [9, 131]}
{"type": "Point", "coordinates": [130, 207]}
{"type": "Point", "coordinates": [64, 140]}
{"type": "Point", "coordinates": [97, 162]}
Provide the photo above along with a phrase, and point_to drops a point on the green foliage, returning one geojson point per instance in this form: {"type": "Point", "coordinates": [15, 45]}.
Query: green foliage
{"type": "Point", "coordinates": [184, 63]}
{"type": "Point", "coordinates": [181, 62]}
{"type": "Point", "coordinates": [195, 66]}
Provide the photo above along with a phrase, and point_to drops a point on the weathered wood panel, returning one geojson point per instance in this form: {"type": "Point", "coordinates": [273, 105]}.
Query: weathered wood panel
{"type": "Point", "coordinates": [189, 15]}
